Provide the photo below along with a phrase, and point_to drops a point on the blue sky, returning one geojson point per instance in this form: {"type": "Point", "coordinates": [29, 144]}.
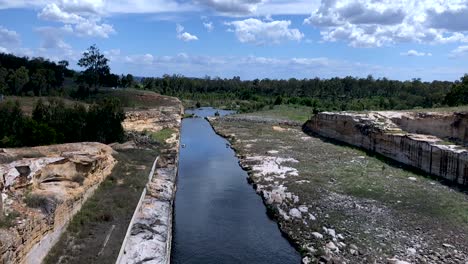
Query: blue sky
{"type": "Point", "coordinates": [403, 39]}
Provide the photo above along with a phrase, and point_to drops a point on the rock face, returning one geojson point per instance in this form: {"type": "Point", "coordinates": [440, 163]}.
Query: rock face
{"type": "Point", "coordinates": [45, 187]}
{"type": "Point", "coordinates": [149, 235]}
{"type": "Point", "coordinates": [453, 126]}
{"type": "Point", "coordinates": [383, 133]}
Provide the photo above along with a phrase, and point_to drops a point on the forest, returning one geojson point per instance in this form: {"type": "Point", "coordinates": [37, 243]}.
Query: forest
{"type": "Point", "coordinates": [53, 122]}
{"type": "Point", "coordinates": [347, 93]}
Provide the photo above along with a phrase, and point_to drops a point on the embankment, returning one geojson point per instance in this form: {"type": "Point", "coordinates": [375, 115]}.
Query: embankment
{"type": "Point", "coordinates": [379, 133]}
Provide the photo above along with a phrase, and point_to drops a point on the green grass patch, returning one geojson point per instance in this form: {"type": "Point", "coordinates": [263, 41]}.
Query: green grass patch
{"type": "Point", "coordinates": [162, 135]}
{"type": "Point", "coordinates": [289, 112]}
{"type": "Point", "coordinates": [8, 221]}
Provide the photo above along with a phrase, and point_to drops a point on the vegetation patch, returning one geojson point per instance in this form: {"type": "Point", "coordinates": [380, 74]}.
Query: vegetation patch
{"type": "Point", "coordinates": [162, 135]}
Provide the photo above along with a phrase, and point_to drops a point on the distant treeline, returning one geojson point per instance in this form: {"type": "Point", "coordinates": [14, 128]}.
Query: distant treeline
{"type": "Point", "coordinates": [348, 93]}
{"type": "Point", "coordinates": [39, 77]}
{"type": "Point", "coordinates": [52, 122]}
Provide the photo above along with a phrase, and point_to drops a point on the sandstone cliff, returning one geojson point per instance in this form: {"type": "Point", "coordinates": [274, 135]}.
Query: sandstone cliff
{"type": "Point", "coordinates": [43, 187]}
{"type": "Point", "coordinates": [384, 133]}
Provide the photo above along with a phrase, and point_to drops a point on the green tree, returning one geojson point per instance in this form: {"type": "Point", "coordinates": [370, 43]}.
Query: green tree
{"type": "Point", "coordinates": [95, 65]}
{"type": "Point", "coordinates": [3, 80]}
{"type": "Point", "coordinates": [458, 95]}
{"type": "Point", "coordinates": [19, 79]}
{"type": "Point", "coordinates": [39, 83]}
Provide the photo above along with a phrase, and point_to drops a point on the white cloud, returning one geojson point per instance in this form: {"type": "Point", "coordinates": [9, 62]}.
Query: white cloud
{"type": "Point", "coordinates": [85, 20]}
{"type": "Point", "coordinates": [262, 32]}
{"type": "Point", "coordinates": [459, 52]}
{"type": "Point", "coordinates": [9, 37]}
{"type": "Point", "coordinates": [52, 37]}
{"type": "Point", "coordinates": [184, 36]}
{"type": "Point", "coordinates": [225, 7]}
{"type": "Point", "coordinates": [414, 53]}
{"type": "Point", "coordinates": [92, 29]}
{"type": "Point", "coordinates": [209, 26]}
{"type": "Point", "coordinates": [252, 67]}
{"type": "Point", "coordinates": [3, 50]}
{"type": "Point", "coordinates": [369, 23]}
{"type": "Point", "coordinates": [53, 13]}
{"type": "Point", "coordinates": [146, 59]}
{"type": "Point", "coordinates": [232, 6]}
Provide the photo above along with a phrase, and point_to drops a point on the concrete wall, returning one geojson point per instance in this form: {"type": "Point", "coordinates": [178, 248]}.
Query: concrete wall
{"type": "Point", "coordinates": [421, 152]}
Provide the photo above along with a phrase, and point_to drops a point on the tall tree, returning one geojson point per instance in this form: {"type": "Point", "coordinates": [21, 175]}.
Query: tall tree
{"type": "Point", "coordinates": [96, 66]}
{"type": "Point", "coordinates": [19, 79]}
{"type": "Point", "coordinates": [3, 80]}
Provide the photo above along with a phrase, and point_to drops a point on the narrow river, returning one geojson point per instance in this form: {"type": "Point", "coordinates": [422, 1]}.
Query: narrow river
{"type": "Point", "coordinates": [218, 216]}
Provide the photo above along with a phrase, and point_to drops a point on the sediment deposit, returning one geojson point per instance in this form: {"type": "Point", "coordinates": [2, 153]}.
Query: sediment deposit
{"type": "Point", "coordinates": [386, 133]}
{"type": "Point", "coordinates": [43, 187]}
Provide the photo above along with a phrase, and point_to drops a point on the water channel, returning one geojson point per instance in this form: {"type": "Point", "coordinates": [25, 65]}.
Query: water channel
{"type": "Point", "coordinates": [218, 216]}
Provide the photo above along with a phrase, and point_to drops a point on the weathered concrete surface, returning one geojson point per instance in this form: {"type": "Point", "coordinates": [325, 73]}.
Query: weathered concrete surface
{"type": "Point", "coordinates": [150, 236]}
{"type": "Point", "coordinates": [378, 133]}
{"type": "Point", "coordinates": [56, 181]}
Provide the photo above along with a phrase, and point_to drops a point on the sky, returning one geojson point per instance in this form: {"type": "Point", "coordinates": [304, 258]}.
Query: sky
{"type": "Point", "coordinates": [276, 39]}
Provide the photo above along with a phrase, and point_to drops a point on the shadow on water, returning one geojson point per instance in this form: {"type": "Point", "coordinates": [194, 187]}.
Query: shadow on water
{"type": "Point", "coordinates": [218, 217]}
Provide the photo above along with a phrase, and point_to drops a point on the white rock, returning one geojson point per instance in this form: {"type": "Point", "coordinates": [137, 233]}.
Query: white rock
{"type": "Point", "coordinates": [295, 213]}
{"type": "Point", "coordinates": [303, 209]}
{"type": "Point", "coordinates": [317, 235]}
{"type": "Point", "coordinates": [330, 231]}
{"type": "Point", "coordinates": [411, 251]}
{"type": "Point", "coordinates": [353, 252]}
{"type": "Point", "coordinates": [340, 236]}
{"type": "Point", "coordinates": [341, 244]}
{"type": "Point", "coordinates": [448, 245]}
{"type": "Point", "coordinates": [312, 217]}
{"type": "Point", "coordinates": [396, 261]}
{"type": "Point", "coordinates": [412, 179]}
{"type": "Point", "coordinates": [330, 245]}
{"type": "Point", "coordinates": [306, 260]}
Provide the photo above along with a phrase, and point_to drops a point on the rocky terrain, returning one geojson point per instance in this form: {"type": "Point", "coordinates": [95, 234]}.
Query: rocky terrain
{"type": "Point", "coordinates": [42, 189]}
{"type": "Point", "coordinates": [338, 204]}
{"type": "Point", "coordinates": [379, 132]}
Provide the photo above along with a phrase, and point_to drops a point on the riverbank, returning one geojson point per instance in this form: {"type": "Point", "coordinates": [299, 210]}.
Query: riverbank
{"type": "Point", "coordinates": [96, 233]}
{"type": "Point", "coordinates": [337, 203]}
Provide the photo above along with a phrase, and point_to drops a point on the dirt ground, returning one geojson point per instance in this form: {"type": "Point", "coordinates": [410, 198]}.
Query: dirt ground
{"type": "Point", "coordinates": [339, 204]}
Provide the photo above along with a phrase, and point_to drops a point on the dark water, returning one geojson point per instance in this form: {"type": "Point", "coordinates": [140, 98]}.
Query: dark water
{"type": "Point", "coordinates": [218, 216]}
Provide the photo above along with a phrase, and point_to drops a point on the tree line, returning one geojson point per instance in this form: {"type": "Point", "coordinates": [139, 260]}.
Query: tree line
{"type": "Point", "coordinates": [25, 76]}
{"type": "Point", "coordinates": [349, 93]}
{"type": "Point", "coordinates": [53, 122]}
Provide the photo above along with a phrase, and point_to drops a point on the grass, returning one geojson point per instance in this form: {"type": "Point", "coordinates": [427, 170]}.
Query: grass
{"type": "Point", "coordinates": [112, 204]}
{"type": "Point", "coordinates": [291, 112]}
{"type": "Point", "coordinates": [8, 221]}
{"type": "Point", "coordinates": [27, 103]}
{"type": "Point", "coordinates": [162, 135]}
{"type": "Point", "coordinates": [133, 98]}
